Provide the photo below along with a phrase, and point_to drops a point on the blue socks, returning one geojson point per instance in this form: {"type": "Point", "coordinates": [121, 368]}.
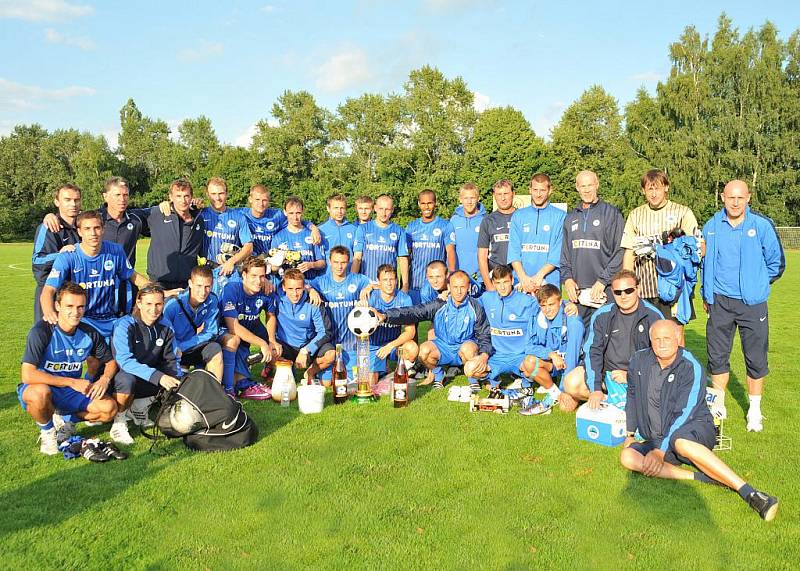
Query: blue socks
{"type": "Point", "coordinates": [228, 369]}
{"type": "Point", "coordinates": [47, 426]}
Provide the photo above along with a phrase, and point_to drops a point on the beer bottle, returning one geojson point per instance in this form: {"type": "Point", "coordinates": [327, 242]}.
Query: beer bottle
{"type": "Point", "coordinates": [339, 378]}
{"type": "Point", "coordinates": [400, 386]}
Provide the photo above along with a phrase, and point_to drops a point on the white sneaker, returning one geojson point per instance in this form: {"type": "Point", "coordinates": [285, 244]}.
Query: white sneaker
{"type": "Point", "coordinates": [119, 430]}
{"type": "Point", "coordinates": [516, 384]}
{"type": "Point", "coordinates": [65, 431]}
{"type": "Point", "coordinates": [92, 423]}
{"type": "Point", "coordinates": [755, 421]}
{"type": "Point", "coordinates": [48, 444]}
{"type": "Point", "coordinates": [138, 412]}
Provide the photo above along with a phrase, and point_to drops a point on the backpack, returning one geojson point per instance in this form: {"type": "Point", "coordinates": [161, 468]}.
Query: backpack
{"type": "Point", "coordinates": [202, 414]}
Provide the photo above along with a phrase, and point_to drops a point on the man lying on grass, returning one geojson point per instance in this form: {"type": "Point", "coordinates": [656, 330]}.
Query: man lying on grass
{"type": "Point", "coordinates": [667, 405]}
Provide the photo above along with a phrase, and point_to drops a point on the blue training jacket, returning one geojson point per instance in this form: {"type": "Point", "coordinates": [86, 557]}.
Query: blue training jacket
{"type": "Point", "coordinates": [762, 257]}
{"type": "Point", "coordinates": [467, 229]}
{"type": "Point", "coordinates": [192, 327]}
{"type": "Point", "coordinates": [535, 240]}
{"type": "Point", "coordinates": [510, 320]}
{"type": "Point", "coordinates": [563, 333]}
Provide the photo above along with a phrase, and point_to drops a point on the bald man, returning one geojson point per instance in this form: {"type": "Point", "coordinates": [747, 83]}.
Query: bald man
{"type": "Point", "coordinates": [666, 405]}
{"type": "Point", "coordinates": [743, 257]}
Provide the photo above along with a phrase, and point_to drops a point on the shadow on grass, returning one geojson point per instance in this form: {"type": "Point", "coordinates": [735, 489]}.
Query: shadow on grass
{"type": "Point", "coordinates": [8, 400]}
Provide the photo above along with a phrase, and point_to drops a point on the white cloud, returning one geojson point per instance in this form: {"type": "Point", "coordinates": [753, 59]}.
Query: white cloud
{"type": "Point", "coordinates": [203, 52]}
{"type": "Point", "coordinates": [42, 10]}
{"type": "Point", "coordinates": [55, 37]}
{"type": "Point", "coordinates": [6, 127]}
{"type": "Point", "coordinates": [481, 102]}
{"type": "Point", "coordinates": [647, 77]}
{"type": "Point", "coordinates": [112, 136]}
{"type": "Point", "coordinates": [452, 5]}
{"type": "Point", "coordinates": [347, 68]}
{"type": "Point", "coordinates": [18, 96]}
{"type": "Point", "coordinates": [544, 122]}
{"type": "Point", "coordinates": [268, 8]}
{"type": "Point", "coordinates": [245, 138]}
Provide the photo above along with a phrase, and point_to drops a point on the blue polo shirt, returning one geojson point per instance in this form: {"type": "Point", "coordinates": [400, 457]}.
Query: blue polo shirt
{"type": "Point", "coordinates": [728, 260]}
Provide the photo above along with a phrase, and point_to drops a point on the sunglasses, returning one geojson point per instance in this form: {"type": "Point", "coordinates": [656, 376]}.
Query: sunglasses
{"type": "Point", "coordinates": [626, 291]}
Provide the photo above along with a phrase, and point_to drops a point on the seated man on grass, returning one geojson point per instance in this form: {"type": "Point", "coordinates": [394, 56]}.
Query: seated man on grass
{"type": "Point", "coordinates": [666, 404]}
{"type": "Point", "coordinates": [616, 331]}
{"type": "Point", "coordinates": [52, 366]}
{"type": "Point", "coordinates": [301, 329]}
{"type": "Point", "coordinates": [461, 327]}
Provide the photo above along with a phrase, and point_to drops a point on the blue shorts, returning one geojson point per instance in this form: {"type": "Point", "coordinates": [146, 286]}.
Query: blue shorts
{"type": "Point", "coordinates": [104, 326]}
{"type": "Point", "coordinates": [448, 353]}
{"type": "Point", "coordinates": [65, 400]}
{"type": "Point", "coordinates": [506, 363]}
{"type": "Point", "coordinates": [380, 365]}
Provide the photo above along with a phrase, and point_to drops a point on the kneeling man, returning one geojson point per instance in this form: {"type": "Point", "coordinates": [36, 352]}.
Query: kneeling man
{"type": "Point", "coordinates": [667, 406]}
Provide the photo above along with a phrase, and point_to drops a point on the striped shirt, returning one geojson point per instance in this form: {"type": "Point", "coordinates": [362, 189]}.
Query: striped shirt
{"type": "Point", "coordinates": [646, 221]}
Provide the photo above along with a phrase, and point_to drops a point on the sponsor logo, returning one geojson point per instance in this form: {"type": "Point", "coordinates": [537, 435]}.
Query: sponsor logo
{"type": "Point", "coordinates": [229, 306]}
{"type": "Point", "coordinates": [763, 318]}
{"type": "Point", "coordinates": [500, 237]}
{"type": "Point", "coordinates": [94, 272]}
{"type": "Point", "coordinates": [55, 273]}
{"type": "Point", "coordinates": [57, 351]}
{"type": "Point", "coordinates": [167, 220]}
{"type": "Point", "coordinates": [526, 228]}
{"type": "Point", "coordinates": [218, 226]}
{"type": "Point", "coordinates": [574, 227]}
{"type": "Point", "coordinates": [62, 367]}
{"type": "Point", "coordinates": [209, 233]}
{"type": "Point", "coordinates": [259, 229]}
{"type": "Point", "coordinates": [227, 425]}
{"type": "Point", "coordinates": [108, 265]}
{"type": "Point", "coordinates": [590, 244]}
{"type": "Point", "coordinates": [497, 332]}
{"type": "Point", "coordinates": [535, 247]}
{"type": "Point", "coordinates": [197, 227]}
{"type": "Point", "coordinates": [97, 284]}
{"type": "Point", "coordinates": [592, 432]}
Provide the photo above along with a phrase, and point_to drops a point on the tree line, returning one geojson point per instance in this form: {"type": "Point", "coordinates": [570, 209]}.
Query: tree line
{"type": "Point", "coordinates": [730, 108]}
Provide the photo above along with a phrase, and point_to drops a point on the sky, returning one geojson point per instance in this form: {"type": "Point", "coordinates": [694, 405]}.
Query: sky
{"type": "Point", "coordinates": [74, 63]}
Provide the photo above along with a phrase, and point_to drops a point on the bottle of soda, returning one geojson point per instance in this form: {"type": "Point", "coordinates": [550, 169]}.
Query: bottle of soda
{"type": "Point", "coordinates": [400, 385]}
{"type": "Point", "coordinates": [339, 376]}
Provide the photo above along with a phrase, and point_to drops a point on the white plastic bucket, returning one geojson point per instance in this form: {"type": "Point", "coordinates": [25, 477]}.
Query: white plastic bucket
{"type": "Point", "coordinates": [310, 398]}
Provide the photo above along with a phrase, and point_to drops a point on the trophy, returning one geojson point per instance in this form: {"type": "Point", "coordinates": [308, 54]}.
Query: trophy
{"type": "Point", "coordinates": [362, 322]}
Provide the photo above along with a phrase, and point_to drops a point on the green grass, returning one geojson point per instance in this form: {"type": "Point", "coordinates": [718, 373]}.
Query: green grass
{"type": "Point", "coordinates": [430, 486]}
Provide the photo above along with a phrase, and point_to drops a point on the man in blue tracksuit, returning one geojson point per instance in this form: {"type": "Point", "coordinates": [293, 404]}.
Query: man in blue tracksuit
{"type": "Point", "coordinates": [462, 330]}
{"type": "Point", "coordinates": [194, 317]}
{"type": "Point", "coordinates": [616, 331]}
{"type": "Point", "coordinates": [743, 257]}
{"type": "Point", "coordinates": [666, 405]}
{"type": "Point", "coordinates": [554, 348]}
{"type": "Point", "coordinates": [510, 314]}
{"type": "Point", "coordinates": [466, 221]}
{"type": "Point", "coordinates": [534, 248]}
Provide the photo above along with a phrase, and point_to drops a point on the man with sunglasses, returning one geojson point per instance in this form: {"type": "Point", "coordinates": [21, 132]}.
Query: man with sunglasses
{"type": "Point", "coordinates": [616, 331]}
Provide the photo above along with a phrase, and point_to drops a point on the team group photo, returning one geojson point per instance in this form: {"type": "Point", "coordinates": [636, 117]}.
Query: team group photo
{"type": "Point", "coordinates": [410, 332]}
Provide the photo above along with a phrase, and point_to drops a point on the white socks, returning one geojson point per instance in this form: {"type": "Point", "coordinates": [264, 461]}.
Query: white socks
{"type": "Point", "coordinates": [755, 404]}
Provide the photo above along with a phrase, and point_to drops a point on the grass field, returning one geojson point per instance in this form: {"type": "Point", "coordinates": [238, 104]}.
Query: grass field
{"type": "Point", "coordinates": [430, 486]}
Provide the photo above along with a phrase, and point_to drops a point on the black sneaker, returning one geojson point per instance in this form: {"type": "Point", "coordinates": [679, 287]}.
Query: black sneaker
{"type": "Point", "coordinates": [764, 504]}
{"type": "Point", "coordinates": [112, 451]}
{"type": "Point", "coordinates": [91, 450]}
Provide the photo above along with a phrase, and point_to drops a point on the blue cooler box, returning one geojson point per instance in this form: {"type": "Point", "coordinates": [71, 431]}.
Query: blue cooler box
{"type": "Point", "coordinates": [605, 425]}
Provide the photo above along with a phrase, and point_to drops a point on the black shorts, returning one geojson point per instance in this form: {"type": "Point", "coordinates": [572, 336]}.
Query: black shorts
{"type": "Point", "coordinates": [724, 316]}
{"type": "Point", "coordinates": [126, 383]}
{"type": "Point", "coordinates": [201, 354]}
{"type": "Point", "coordinates": [290, 353]}
{"type": "Point", "coordinates": [702, 433]}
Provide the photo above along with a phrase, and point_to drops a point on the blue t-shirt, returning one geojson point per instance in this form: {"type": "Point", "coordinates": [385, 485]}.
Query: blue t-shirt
{"type": "Point", "coordinates": [227, 227]}
{"type": "Point", "coordinates": [50, 349]}
{"type": "Point", "coordinates": [236, 303]}
{"type": "Point", "coordinates": [263, 229]}
{"type": "Point", "coordinates": [99, 275]}
{"type": "Point", "coordinates": [427, 241]}
{"type": "Point", "coordinates": [334, 234]}
{"type": "Point", "coordinates": [340, 298]}
{"type": "Point", "coordinates": [379, 246]}
{"type": "Point", "coordinates": [467, 230]}
{"type": "Point", "coordinates": [300, 242]}
{"type": "Point", "coordinates": [386, 333]}
{"type": "Point", "coordinates": [728, 260]}
{"type": "Point", "coordinates": [510, 319]}
{"type": "Point", "coordinates": [535, 240]}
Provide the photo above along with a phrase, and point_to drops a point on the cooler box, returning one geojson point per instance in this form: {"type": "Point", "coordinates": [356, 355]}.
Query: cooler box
{"type": "Point", "coordinates": [605, 425]}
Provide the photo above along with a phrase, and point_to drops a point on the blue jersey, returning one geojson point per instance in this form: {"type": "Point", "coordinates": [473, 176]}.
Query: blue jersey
{"type": "Point", "coordinates": [510, 320]}
{"type": "Point", "coordinates": [227, 227]}
{"type": "Point", "coordinates": [535, 240]}
{"type": "Point", "coordinates": [386, 332]}
{"type": "Point", "coordinates": [427, 241]}
{"type": "Point", "coordinates": [263, 229]}
{"type": "Point", "coordinates": [99, 275]}
{"type": "Point", "coordinates": [51, 349]}
{"type": "Point", "coordinates": [427, 293]}
{"type": "Point", "coordinates": [221, 281]}
{"type": "Point", "coordinates": [340, 298]}
{"type": "Point", "coordinates": [301, 324]}
{"type": "Point", "coordinates": [192, 327]}
{"type": "Point", "coordinates": [334, 234]}
{"type": "Point", "coordinates": [379, 246]}
{"type": "Point", "coordinates": [236, 303]}
{"type": "Point", "coordinates": [562, 333]}
{"type": "Point", "coordinates": [467, 230]}
{"type": "Point", "coordinates": [300, 241]}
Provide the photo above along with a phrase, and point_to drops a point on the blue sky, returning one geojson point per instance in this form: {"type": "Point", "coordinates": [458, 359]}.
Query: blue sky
{"type": "Point", "coordinates": [74, 63]}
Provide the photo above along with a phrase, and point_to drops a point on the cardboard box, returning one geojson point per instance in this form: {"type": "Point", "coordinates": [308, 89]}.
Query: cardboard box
{"type": "Point", "coordinates": [605, 426]}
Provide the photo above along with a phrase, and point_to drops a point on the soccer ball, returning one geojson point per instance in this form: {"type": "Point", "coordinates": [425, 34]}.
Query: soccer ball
{"type": "Point", "coordinates": [184, 418]}
{"type": "Point", "coordinates": [362, 321]}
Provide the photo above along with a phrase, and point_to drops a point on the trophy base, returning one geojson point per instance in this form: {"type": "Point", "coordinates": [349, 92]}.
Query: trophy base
{"type": "Point", "coordinates": [364, 398]}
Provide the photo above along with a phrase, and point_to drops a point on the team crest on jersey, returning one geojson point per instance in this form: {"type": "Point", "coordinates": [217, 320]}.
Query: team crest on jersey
{"type": "Point", "coordinates": [302, 316]}
{"type": "Point", "coordinates": [596, 223]}
{"type": "Point", "coordinates": [512, 316]}
{"type": "Point", "coordinates": [526, 228]}
{"type": "Point", "coordinates": [109, 265]}
{"type": "Point", "coordinates": [477, 229]}
{"type": "Point", "coordinates": [197, 227]}
{"type": "Point", "coordinates": [352, 288]}
{"type": "Point", "coordinates": [641, 328]}
{"type": "Point", "coordinates": [270, 225]}
{"type": "Point", "coordinates": [79, 352]}
{"type": "Point", "coordinates": [751, 232]}
{"type": "Point", "coordinates": [231, 223]}
{"type": "Point", "coordinates": [393, 235]}
{"type": "Point", "coordinates": [671, 377]}
{"type": "Point", "coordinates": [350, 235]}
{"type": "Point", "coordinates": [259, 303]}
{"type": "Point", "coordinates": [546, 228]}
{"type": "Point", "coordinates": [437, 232]}
{"type": "Point", "coordinates": [159, 342]}
{"type": "Point", "coordinates": [307, 239]}
{"type": "Point", "coordinates": [130, 226]}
